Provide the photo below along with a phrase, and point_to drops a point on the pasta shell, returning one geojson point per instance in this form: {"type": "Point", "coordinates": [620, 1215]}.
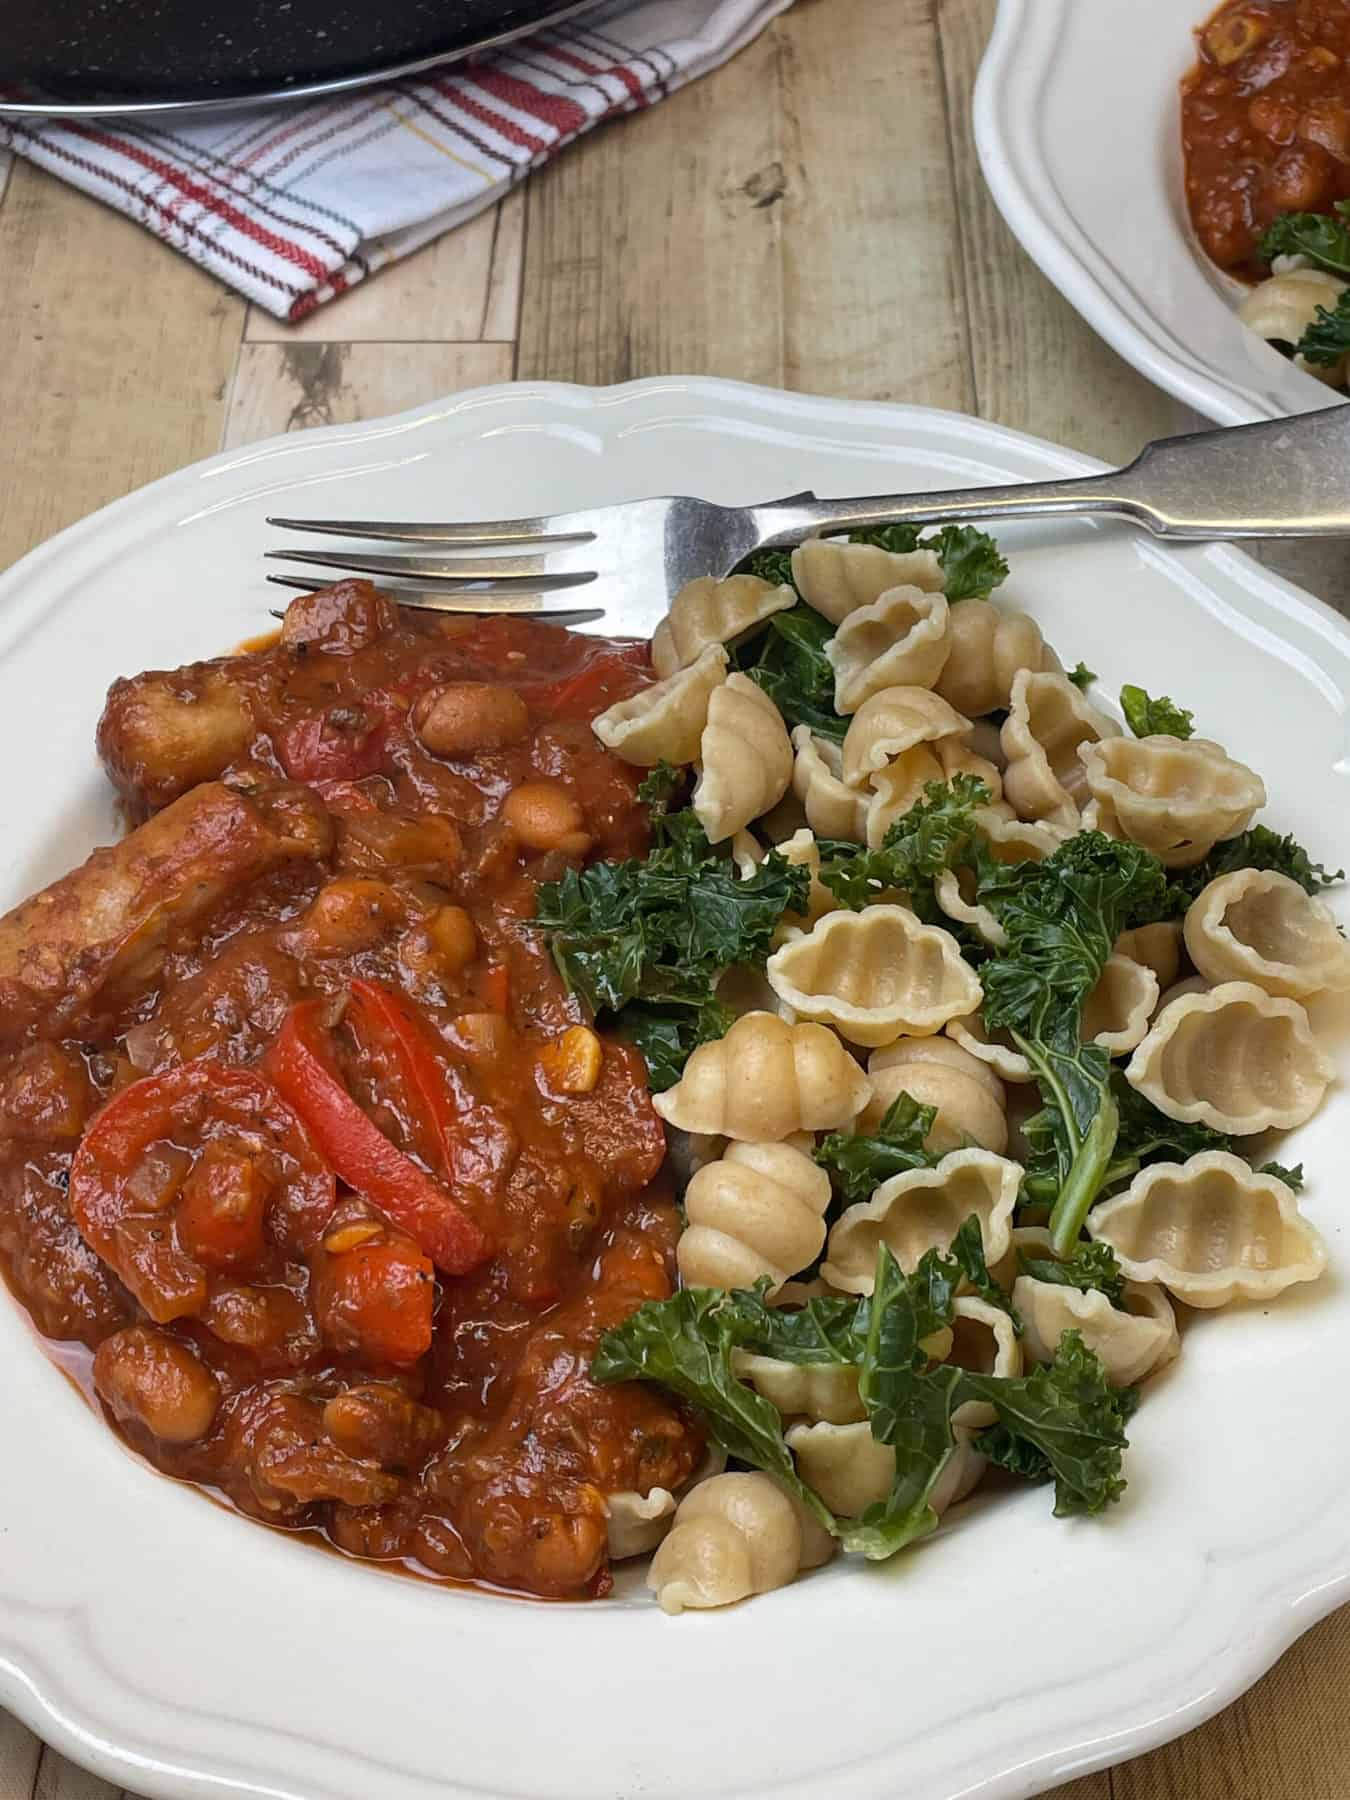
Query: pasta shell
{"type": "Point", "coordinates": [851, 1471]}
{"type": "Point", "coordinates": [997, 1050]}
{"type": "Point", "coordinates": [707, 611]}
{"type": "Point", "coordinates": [984, 1340]}
{"type": "Point", "coordinates": [936, 1071]}
{"type": "Point", "coordinates": [759, 1210]}
{"type": "Point", "coordinates": [891, 722]}
{"type": "Point", "coordinates": [802, 849]}
{"type": "Point", "coordinates": [836, 577]}
{"type": "Point", "coordinates": [923, 1210]}
{"type": "Point", "coordinates": [1176, 796]}
{"type": "Point", "coordinates": [1018, 840]}
{"type": "Point", "coordinates": [803, 1390]}
{"type": "Point", "coordinates": [899, 640]}
{"type": "Point", "coordinates": [638, 1522]}
{"type": "Point", "coordinates": [764, 1080]}
{"type": "Point", "coordinates": [1282, 308]}
{"type": "Point", "coordinates": [833, 810]}
{"type": "Point", "coordinates": [898, 789]}
{"type": "Point", "coordinates": [988, 647]}
{"type": "Point", "coordinates": [1232, 1058]}
{"type": "Point", "coordinates": [1210, 1229]}
{"type": "Point", "coordinates": [1158, 947]}
{"type": "Point", "coordinates": [875, 975]}
{"type": "Point", "coordinates": [664, 723]}
{"type": "Point", "coordinates": [955, 889]}
{"type": "Point", "coordinates": [1131, 1342]}
{"type": "Point", "coordinates": [734, 1536]}
{"type": "Point", "coordinates": [745, 755]}
{"type": "Point", "coordinates": [1259, 926]}
{"type": "Point", "coordinates": [1120, 1006]}
{"type": "Point", "coordinates": [1048, 719]}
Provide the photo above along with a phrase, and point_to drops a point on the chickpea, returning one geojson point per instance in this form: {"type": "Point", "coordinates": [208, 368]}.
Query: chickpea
{"type": "Point", "coordinates": [157, 1381]}
{"type": "Point", "coordinates": [1233, 35]}
{"type": "Point", "coordinates": [571, 1063]}
{"type": "Point", "coordinates": [1299, 179]}
{"type": "Point", "coordinates": [1326, 123]}
{"type": "Point", "coordinates": [462, 717]}
{"type": "Point", "coordinates": [349, 914]}
{"type": "Point", "coordinates": [452, 936]}
{"type": "Point", "coordinates": [544, 816]}
{"type": "Point", "coordinates": [1273, 117]}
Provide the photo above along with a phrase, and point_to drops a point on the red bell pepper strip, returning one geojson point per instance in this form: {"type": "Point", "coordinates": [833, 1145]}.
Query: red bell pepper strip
{"type": "Point", "coordinates": [383, 1020]}
{"type": "Point", "coordinates": [301, 1064]}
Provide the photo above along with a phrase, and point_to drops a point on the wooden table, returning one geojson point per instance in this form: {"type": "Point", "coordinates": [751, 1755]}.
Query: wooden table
{"type": "Point", "coordinates": [810, 217]}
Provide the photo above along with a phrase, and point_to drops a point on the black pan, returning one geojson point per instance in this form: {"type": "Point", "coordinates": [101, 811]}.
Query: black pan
{"type": "Point", "coordinates": [92, 56]}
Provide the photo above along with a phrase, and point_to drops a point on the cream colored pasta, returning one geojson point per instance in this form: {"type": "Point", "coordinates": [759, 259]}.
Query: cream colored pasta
{"type": "Point", "coordinates": [745, 756]}
{"type": "Point", "coordinates": [638, 1522]}
{"type": "Point", "coordinates": [995, 1049]}
{"type": "Point", "coordinates": [1259, 926]}
{"type": "Point", "coordinates": [955, 890]}
{"type": "Point", "coordinates": [922, 1210]}
{"type": "Point", "coordinates": [707, 611]}
{"type": "Point", "coordinates": [1157, 947]}
{"type": "Point", "coordinates": [801, 850]}
{"type": "Point", "coordinates": [898, 788]}
{"type": "Point", "coordinates": [1281, 308]}
{"type": "Point", "coordinates": [900, 640]}
{"type": "Point", "coordinates": [759, 1210]}
{"type": "Point", "coordinates": [888, 724]}
{"type": "Point", "coordinates": [988, 648]}
{"type": "Point", "coordinates": [936, 1071]}
{"type": "Point", "coordinates": [1014, 840]}
{"type": "Point", "coordinates": [1131, 1340]}
{"type": "Point", "coordinates": [985, 1341]}
{"type": "Point", "coordinates": [1177, 797]}
{"type": "Point", "coordinates": [734, 1536]}
{"type": "Point", "coordinates": [1120, 1006]}
{"type": "Point", "coordinates": [875, 975]}
{"type": "Point", "coordinates": [1048, 720]}
{"type": "Point", "coordinates": [833, 809]}
{"type": "Point", "coordinates": [958, 756]}
{"type": "Point", "coordinates": [1210, 1230]}
{"type": "Point", "coordinates": [764, 1080]}
{"type": "Point", "coordinates": [836, 577]}
{"type": "Point", "coordinates": [803, 1390]}
{"type": "Point", "coordinates": [851, 1471]}
{"type": "Point", "coordinates": [1233, 1058]}
{"type": "Point", "coordinates": [665, 723]}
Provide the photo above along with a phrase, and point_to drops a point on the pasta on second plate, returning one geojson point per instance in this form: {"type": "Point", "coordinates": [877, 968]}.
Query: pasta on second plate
{"type": "Point", "coordinates": [1077, 973]}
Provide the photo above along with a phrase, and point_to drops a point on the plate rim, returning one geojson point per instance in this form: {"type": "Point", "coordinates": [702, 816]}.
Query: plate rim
{"type": "Point", "coordinates": [1012, 159]}
{"type": "Point", "coordinates": [1285, 1609]}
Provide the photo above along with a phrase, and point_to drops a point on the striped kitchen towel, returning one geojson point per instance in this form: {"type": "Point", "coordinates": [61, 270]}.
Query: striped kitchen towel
{"type": "Point", "coordinates": [293, 205]}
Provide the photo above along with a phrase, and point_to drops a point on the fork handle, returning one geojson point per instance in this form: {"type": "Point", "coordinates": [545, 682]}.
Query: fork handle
{"type": "Point", "coordinates": [1281, 478]}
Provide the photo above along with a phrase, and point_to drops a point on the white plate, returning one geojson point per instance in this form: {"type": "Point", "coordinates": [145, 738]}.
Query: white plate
{"type": "Point", "coordinates": [1078, 126]}
{"type": "Point", "coordinates": [180, 1650]}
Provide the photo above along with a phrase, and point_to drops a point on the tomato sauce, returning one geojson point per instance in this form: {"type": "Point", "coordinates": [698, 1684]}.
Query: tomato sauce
{"type": "Point", "coordinates": [352, 1285]}
{"type": "Point", "coordinates": [1265, 122]}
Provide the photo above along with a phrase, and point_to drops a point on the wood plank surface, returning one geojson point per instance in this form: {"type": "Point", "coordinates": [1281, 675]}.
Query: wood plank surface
{"type": "Point", "coordinates": [811, 216]}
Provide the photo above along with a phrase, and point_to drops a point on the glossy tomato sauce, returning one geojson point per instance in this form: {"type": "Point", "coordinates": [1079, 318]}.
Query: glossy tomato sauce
{"type": "Point", "coordinates": [302, 1140]}
{"type": "Point", "coordinates": [1265, 121]}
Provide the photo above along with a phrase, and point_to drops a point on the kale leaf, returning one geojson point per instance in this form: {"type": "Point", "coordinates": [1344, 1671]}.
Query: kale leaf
{"type": "Point", "coordinates": [859, 1162]}
{"type": "Point", "coordinates": [940, 832]}
{"type": "Point", "coordinates": [1062, 918]}
{"type": "Point", "coordinates": [1147, 717]}
{"type": "Point", "coordinates": [1258, 848]}
{"type": "Point", "coordinates": [1292, 1178]}
{"type": "Point", "coordinates": [1324, 239]}
{"type": "Point", "coordinates": [794, 671]}
{"type": "Point", "coordinates": [1081, 676]}
{"type": "Point", "coordinates": [1092, 1268]}
{"type": "Point", "coordinates": [1327, 339]}
{"type": "Point", "coordinates": [647, 940]}
{"type": "Point", "coordinates": [773, 566]}
{"type": "Point", "coordinates": [898, 539]}
{"type": "Point", "coordinates": [659, 787]}
{"type": "Point", "coordinates": [972, 565]}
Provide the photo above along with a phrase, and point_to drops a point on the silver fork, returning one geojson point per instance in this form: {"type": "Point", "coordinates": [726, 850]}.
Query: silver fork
{"type": "Point", "coordinates": [1287, 478]}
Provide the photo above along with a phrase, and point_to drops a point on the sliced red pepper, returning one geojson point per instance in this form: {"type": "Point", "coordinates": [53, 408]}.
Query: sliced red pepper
{"type": "Point", "coordinates": [301, 1064]}
{"type": "Point", "coordinates": [383, 1021]}
{"type": "Point", "coordinates": [616, 675]}
{"type": "Point", "coordinates": [151, 1240]}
